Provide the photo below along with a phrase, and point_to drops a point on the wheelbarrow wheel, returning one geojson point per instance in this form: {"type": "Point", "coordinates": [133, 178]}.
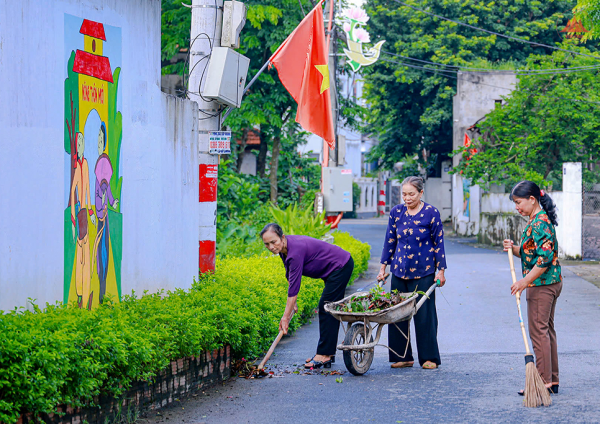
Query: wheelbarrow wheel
{"type": "Point", "coordinates": [357, 362]}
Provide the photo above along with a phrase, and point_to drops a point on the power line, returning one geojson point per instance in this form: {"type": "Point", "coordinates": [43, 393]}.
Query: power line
{"type": "Point", "coordinates": [516, 71]}
{"type": "Point", "coordinates": [459, 77]}
{"type": "Point", "coordinates": [510, 37]}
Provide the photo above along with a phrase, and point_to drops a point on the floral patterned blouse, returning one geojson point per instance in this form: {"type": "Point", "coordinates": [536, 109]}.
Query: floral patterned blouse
{"type": "Point", "coordinates": [414, 244]}
{"type": "Point", "coordinates": [539, 247]}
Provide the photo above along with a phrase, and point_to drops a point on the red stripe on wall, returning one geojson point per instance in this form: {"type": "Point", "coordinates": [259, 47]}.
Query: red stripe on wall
{"type": "Point", "coordinates": [206, 252]}
{"type": "Point", "coordinates": [208, 182]}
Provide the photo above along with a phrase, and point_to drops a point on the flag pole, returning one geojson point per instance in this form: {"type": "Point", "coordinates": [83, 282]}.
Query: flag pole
{"type": "Point", "coordinates": [262, 69]}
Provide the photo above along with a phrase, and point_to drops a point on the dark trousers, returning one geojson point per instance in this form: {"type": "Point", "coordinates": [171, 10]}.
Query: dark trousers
{"type": "Point", "coordinates": [335, 288]}
{"type": "Point", "coordinates": [426, 323]}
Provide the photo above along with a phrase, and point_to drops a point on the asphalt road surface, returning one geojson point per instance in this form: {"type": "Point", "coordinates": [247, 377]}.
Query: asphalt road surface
{"type": "Point", "coordinates": [482, 360]}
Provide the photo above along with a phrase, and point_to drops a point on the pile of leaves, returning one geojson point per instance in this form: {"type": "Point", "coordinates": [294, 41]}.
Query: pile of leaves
{"type": "Point", "coordinates": [374, 301]}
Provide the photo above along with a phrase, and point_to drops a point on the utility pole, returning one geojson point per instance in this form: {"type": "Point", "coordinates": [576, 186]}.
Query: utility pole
{"type": "Point", "coordinates": [330, 155]}
{"type": "Point", "coordinates": [207, 17]}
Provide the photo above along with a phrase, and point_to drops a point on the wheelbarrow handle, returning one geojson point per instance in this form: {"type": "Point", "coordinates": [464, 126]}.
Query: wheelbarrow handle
{"type": "Point", "coordinates": [424, 298]}
{"type": "Point", "coordinates": [382, 281]}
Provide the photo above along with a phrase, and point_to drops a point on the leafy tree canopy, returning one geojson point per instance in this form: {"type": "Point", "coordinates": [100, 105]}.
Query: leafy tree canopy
{"type": "Point", "coordinates": [547, 120]}
{"type": "Point", "coordinates": [411, 109]}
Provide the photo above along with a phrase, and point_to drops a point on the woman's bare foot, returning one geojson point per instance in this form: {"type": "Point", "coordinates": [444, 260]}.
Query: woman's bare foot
{"type": "Point", "coordinates": [402, 364]}
{"type": "Point", "coordinates": [428, 365]}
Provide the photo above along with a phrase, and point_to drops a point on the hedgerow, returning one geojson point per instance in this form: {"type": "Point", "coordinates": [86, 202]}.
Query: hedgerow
{"type": "Point", "coordinates": [65, 355]}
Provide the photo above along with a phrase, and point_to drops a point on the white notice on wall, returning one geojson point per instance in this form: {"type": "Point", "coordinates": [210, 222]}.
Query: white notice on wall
{"type": "Point", "coordinates": [219, 142]}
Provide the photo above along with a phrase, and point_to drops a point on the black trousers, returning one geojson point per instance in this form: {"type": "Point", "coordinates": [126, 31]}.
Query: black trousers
{"type": "Point", "coordinates": [335, 288]}
{"type": "Point", "coordinates": [426, 324]}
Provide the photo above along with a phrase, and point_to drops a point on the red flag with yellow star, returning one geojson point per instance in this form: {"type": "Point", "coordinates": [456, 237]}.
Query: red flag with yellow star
{"type": "Point", "coordinates": [301, 62]}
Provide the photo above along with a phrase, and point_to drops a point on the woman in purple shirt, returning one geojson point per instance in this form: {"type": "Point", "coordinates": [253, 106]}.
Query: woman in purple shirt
{"type": "Point", "coordinates": [414, 249]}
{"type": "Point", "coordinates": [302, 255]}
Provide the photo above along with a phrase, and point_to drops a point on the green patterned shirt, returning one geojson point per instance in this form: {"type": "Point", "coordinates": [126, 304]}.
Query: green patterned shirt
{"type": "Point", "coordinates": [539, 247]}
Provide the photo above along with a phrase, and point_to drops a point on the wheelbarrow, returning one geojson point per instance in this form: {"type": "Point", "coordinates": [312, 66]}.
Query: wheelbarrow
{"type": "Point", "coordinates": [358, 346]}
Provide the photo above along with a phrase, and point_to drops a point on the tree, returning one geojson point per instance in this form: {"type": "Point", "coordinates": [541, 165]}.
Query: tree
{"type": "Point", "coordinates": [267, 106]}
{"type": "Point", "coordinates": [587, 12]}
{"type": "Point", "coordinates": [411, 109]}
{"type": "Point", "coordinates": [547, 120]}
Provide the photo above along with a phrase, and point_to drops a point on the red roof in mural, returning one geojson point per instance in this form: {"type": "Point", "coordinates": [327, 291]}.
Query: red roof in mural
{"type": "Point", "coordinates": [93, 29]}
{"type": "Point", "coordinates": [92, 65]}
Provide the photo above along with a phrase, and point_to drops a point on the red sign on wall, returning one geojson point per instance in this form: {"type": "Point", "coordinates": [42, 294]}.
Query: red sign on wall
{"type": "Point", "coordinates": [206, 261]}
{"type": "Point", "coordinates": [208, 182]}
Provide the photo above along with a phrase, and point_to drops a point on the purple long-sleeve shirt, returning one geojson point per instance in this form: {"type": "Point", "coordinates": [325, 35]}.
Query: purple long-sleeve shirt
{"type": "Point", "coordinates": [103, 173]}
{"type": "Point", "coordinates": [312, 258]}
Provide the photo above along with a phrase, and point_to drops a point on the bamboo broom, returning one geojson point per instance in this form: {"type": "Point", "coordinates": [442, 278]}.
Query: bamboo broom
{"type": "Point", "coordinates": [535, 393]}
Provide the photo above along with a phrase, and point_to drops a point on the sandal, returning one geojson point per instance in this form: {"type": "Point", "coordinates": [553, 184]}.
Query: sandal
{"type": "Point", "coordinates": [428, 365]}
{"type": "Point", "coordinates": [318, 364]}
{"type": "Point", "coordinates": [408, 364]}
{"type": "Point", "coordinates": [310, 360]}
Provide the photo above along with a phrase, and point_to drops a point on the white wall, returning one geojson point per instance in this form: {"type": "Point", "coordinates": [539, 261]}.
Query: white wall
{"type": "Point", "coordinates": [159, 162]}
{"type": "Point", "coordinates": [499, 219]}
{"type": "Point", "coordinates": [369, 197]}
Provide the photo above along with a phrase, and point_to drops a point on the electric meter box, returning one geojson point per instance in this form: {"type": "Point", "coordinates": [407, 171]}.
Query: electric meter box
{"type": "Point", "coordinates": [226, 76]}
{"type": "Point", "coordinates": [337, 184]}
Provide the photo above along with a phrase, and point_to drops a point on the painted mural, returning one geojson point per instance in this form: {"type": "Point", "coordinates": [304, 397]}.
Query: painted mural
{"type": "Point", "coordinates": [93, 222]}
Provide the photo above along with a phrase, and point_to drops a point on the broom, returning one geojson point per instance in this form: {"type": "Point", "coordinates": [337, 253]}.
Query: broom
{"type": "Point", "coordinates": [535, 393]}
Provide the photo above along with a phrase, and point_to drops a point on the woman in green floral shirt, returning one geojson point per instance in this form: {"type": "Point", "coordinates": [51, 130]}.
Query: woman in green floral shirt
{"type": "Point", "coordinates": [541, 274]}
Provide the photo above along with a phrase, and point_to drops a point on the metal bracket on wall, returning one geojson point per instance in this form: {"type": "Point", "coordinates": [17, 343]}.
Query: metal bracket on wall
{"type": "Point", "coordinates": [209, 6]}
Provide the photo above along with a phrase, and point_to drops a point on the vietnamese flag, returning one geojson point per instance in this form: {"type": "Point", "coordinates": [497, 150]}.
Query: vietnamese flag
{"type": "Point", "coordinates": [302, 65]}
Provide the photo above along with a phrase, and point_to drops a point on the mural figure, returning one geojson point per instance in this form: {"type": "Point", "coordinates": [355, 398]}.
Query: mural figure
{"type": "Point", "coordinates": [81, 207]}
{"type": "Point", "coordinates": [104, 194]}
{"type": "Point", "coordinates": [93, 248]}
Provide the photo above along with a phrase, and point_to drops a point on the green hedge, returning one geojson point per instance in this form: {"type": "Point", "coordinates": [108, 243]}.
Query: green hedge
{"type": "Point", "coordinates": [65, 355]}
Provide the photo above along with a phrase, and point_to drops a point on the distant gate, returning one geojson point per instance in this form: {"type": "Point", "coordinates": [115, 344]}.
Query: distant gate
{"type": "Point", "coordinates": [591, 222]}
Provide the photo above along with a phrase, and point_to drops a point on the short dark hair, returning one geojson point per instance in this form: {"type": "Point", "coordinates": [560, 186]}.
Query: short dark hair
{"type": "Point", "coordinates": [272, 227]}
{"type": "Point", "coordinates": [103, 129]}
{"type": "Point", "coordinates": [526, 189]}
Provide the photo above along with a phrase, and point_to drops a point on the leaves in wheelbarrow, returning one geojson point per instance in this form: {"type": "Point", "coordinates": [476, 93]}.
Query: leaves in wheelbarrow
{"type": "Point", "coordinates": [374, 301]}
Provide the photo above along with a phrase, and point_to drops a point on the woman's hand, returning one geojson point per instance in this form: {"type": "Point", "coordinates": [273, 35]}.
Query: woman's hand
{"type": "Point", "coordinates": [507, 244]}
{"type": "Point", "coordinates": [440, 276]}
{"type": "Point", "coordinates": [381, 276]}
{"type": "Point", "coordinates": [519, 286]}
{"type": "Point", "coordinates": [284, 324]}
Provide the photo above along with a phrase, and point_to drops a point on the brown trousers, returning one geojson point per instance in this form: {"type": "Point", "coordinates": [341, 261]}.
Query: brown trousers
{"type": "Point", "coordinates": [541, 303]}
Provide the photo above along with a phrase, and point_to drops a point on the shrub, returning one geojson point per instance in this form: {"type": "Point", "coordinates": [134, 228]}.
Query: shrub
{"type": "Point", "coordinates": [295, 221]}
{"type": "Point", "coordinates": [66, 355]}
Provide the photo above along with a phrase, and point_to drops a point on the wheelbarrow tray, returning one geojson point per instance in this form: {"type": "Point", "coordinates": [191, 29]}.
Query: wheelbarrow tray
{"type": "Point", "coordinates": [400, 312]}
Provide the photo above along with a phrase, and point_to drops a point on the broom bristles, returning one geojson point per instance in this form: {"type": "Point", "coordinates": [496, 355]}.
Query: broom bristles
{"type": "Point", "coordinates": [535, 394]}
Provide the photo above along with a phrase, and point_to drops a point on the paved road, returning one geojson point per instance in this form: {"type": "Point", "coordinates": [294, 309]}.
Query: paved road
{"type": "Point", "coordinates": [482, 360]}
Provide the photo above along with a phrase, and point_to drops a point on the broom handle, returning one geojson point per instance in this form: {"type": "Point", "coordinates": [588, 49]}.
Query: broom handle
{"type": "Point", "coordinates": [272, 348]}
{"type": "Point", "coordinates": [518, 296]}
{"type": "Point", "coordinates": [270, 352]}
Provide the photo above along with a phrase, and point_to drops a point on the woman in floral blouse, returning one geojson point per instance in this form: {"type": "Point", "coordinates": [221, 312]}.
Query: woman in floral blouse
{"type": "Point", "coordinates": [541, 274]}
{"type": "Point", "coordinates": [414, 249]}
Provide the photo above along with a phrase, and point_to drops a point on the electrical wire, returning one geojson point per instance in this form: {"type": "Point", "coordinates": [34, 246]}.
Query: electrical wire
{"type": "Point", "coordinates": [516, 71]}
{"type": "Point", "coordinates": [510, 37]}
{"type": "Point", "coordinates": [459, 77]}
